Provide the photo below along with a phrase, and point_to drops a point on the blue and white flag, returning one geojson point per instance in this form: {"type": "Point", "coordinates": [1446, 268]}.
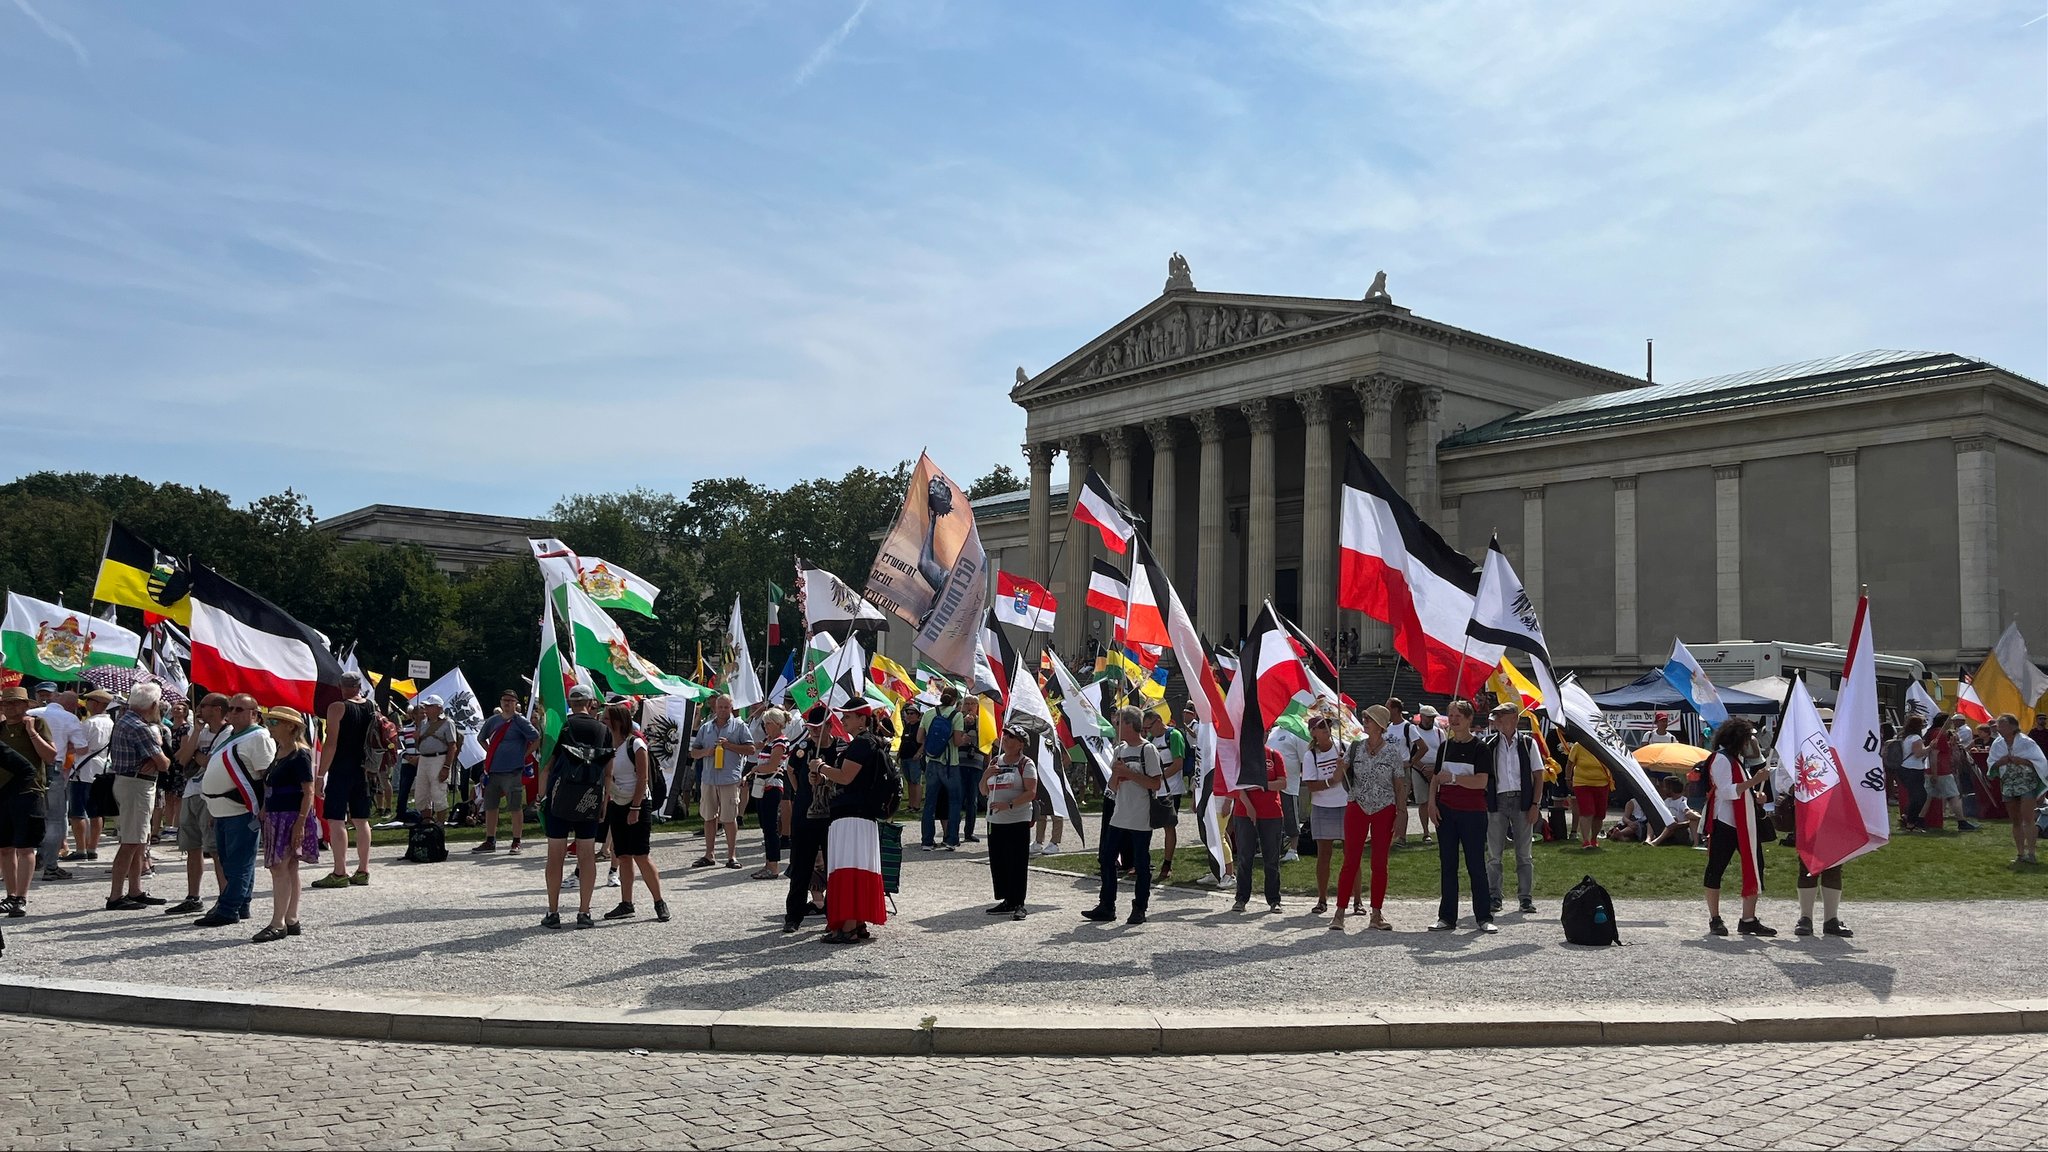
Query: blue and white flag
{"type": "Point", "coordinates": [1685, 674]}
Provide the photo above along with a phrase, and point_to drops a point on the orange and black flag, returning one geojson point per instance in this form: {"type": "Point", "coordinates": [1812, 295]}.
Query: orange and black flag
{"type": "Point", "coordinates": [135, 573]}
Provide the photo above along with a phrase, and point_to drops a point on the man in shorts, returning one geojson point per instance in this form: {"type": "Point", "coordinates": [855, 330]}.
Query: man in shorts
{"type": "Point", "coordinates": [437, 742]}
{"type": "Point", "coordinates": [508, 739]}
{"type": "Point", "coordinates": [721, 746]}
{"type": "Point", "coordinates": [136, 757]}
{"type": "Point", "coordinates": [25, 754]}
{"type": "Point", "coordinates": [581, 729]}
{"type": "Point", "coordinates": [344, 783]}
{"type": "Point", "coordinates": [195, 823]}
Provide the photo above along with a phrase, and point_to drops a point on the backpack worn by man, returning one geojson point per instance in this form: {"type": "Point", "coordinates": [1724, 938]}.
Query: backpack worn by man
{"type": "Point", "coordinates": [1588, 915]}
{"type": "Point", "coordinates": [576, 776]}
{"type": "Point", "coordinates": [938, 734]}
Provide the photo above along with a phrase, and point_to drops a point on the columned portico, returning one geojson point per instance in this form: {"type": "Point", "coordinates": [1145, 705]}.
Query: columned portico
{"type": "Point", "coordinates": [1318, 513]}
{"type": "Point", "coordinates": [1728, 549]}
{"type": "Point", "coordinates": [1165, 437]}
{"type": "Point", "coordinates": [1039, 457]}
{"type": "Point", "coordinates": [1071, 624]}
{"type": "Point", "coordinates": [1532, 545]}
{"type": "Point", "coordinates": [1210, 428]}
{"type": "Point", "coordinates": [1376, 396]}
{"type": "Point", "coordinates": [1977, 538]}
{"type": "Point", "coordinates": [1259, 512]}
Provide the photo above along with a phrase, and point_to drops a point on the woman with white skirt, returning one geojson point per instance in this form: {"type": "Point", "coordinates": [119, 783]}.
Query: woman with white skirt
{"type": "Point", "coordinates": [853, 843]}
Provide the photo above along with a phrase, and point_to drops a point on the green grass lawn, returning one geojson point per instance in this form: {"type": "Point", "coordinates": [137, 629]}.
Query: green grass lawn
{"type": "Point", "coordinates": [1946, 865]}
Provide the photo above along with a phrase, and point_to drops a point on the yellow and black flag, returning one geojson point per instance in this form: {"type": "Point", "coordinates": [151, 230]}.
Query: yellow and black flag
{"type": "Point", "coordinates": [134, 573]}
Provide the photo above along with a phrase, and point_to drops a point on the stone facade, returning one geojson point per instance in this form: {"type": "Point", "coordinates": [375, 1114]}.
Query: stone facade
{"type": "Point", "coordinates": [459, 541]}
{"type": "Point", "coordinates": [1753, 507]}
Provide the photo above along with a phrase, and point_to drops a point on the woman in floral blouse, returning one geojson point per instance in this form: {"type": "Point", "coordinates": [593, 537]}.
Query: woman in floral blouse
{"type": "Point", "coordinates": [1370, 767]}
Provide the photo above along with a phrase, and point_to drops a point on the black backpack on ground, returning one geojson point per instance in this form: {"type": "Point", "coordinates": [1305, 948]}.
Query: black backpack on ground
{"type": "Point", "coordinates": [1588, 915]}
{"type": "Point", "coordinates": [426, 844]}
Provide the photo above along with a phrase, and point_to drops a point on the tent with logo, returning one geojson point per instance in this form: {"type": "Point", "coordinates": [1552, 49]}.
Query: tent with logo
{"type": "Point", "coordinates": [1652, 693]}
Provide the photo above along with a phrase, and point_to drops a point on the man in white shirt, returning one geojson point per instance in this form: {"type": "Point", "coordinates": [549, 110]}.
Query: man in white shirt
{"type": "Point", "coordinates": [60, 715]}
{"type": "Point", "coordinates": [1516, 798]}
{"type": "Point", "coordinates": [1663, 733]}
{"type": "Point", "coordinates": [1407, 735]}
{"type": "Point", "coordinates": [88, 759]}
{"type": "Point", "coordinates": [195, 821]}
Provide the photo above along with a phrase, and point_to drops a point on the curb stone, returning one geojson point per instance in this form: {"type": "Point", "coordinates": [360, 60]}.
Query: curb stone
{"type": "Point", "coordinates": [990, 1032]}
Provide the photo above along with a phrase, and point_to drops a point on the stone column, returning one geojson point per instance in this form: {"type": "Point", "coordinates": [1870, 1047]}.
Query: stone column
{"type": "Point", "coordinates": [1071, 625]}
{"type": "Point", "coordinates": [1122, 442]}
{"type": "Point", "coordinates": [1532, 545]}
{"type": "Point", "coordinates": [1843, 586]}
{"type": "Point", "coordinates": [1376, 396]}
{"type": "Point", "coordinates": [1626, 638]}
{"type": "Point", "coordinates": [1318, 514]}
{"type": "Point", "coordinates": [1260, 536]}
{"type": "Point", "coordinates": [1447, 519]}
{"type": "Point", "coordinates": [1977, 539]}
{"type": "Point", "coordinates": [1424, 406]}
{"type": "Point", "coordinates": [1040, 525]}
{"type": "Point", "coordinates": [1165, 436]}
{"type": "Point", "coordinates": [1209, 542]}
{"type": "Point", "coordinates": [1728, 551]}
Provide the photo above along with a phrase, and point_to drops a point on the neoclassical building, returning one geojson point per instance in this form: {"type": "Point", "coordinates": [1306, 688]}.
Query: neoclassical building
{"type": "Point", "coordinates": [1743, 507]}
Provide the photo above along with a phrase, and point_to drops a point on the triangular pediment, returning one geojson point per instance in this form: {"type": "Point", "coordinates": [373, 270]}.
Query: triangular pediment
{"type": "Point", "coordinates": [1190, 327]}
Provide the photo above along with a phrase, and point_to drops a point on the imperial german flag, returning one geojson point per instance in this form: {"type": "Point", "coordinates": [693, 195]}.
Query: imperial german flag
{"type": "Point", "coordinates": [135, 573]}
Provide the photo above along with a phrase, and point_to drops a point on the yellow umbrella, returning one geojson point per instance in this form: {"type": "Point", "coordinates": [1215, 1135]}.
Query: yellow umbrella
{"type": "Point", "coordinates": [1671, 757]}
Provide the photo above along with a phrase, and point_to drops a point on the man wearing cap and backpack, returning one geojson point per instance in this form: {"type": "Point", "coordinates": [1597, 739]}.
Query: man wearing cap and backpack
{"type": "Point", "coordinates": [941, 769]}
{"type": "Point", "coordinates": [572, 803]}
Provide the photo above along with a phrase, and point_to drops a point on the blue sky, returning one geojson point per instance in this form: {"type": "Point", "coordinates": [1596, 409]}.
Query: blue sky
{"type": "Point", "coordinates": [478, 255]}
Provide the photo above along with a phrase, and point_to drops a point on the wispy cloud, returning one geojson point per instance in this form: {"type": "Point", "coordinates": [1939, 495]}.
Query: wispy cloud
{"type": "Point", "coordinates": [55, 32]}
{"type": "Point", "coordinates": [824, 51]}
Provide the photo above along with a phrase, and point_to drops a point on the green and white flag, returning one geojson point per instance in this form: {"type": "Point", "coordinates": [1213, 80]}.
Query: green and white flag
{"type": "Point", "coordinates": [40, 639]}
{"type": "Point", "coordinates": [597, 644]}
{"type": "Point", "coordinates": [551, 680]}
{"type": "Point", "coordinates": [607, 584]}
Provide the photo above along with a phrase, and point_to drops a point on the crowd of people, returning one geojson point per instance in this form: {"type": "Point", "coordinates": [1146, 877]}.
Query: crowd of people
{"type": "Point", "coordinates": [230, 783]}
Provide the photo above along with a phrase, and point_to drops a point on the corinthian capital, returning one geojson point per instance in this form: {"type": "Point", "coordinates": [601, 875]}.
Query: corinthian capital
{"type": "Point", "coordinates": [1378, 391]}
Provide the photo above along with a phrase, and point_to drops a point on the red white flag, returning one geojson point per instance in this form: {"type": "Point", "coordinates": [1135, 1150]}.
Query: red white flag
{"type": "Point", "coordinates": [1397, 570]}
{"type": "Point", "coordinates": [1096, 504]}
{"type": "Point", "coordinates": [1969, 705]}
{"type": "Point", "coordinates": [1024, 603]}
{"type": "Point", "coordinates": [244, 643]}
{"type": "Point", "coordinates": [1108, 591]}
{"type": "Point", "coordinates": [1145, 619]}
{"type": "Point", "coordinates": [1858, 749]}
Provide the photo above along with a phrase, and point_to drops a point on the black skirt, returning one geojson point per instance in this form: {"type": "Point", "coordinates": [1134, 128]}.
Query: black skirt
{"type": "Point", "coordinates": [627, 839]}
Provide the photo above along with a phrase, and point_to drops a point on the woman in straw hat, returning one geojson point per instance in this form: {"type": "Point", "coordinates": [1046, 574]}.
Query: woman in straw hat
{"type": "Point", "coordinates": [290, 835]}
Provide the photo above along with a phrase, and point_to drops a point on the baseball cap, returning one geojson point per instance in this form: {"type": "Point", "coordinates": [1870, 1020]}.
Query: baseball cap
{"type": "Point", "coordinates": [432, 701]}
{"type": "Point", "coordinates": [579, 692]}
{"type": "Point", "coordinates": [1664, 716]}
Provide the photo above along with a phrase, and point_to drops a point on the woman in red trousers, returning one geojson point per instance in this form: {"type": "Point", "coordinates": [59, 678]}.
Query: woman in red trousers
{"type": "Point", "coordinates": [1370, 768]}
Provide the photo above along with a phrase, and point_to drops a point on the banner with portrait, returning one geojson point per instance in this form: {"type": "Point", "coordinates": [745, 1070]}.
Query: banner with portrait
{"type": "Point", "coordinates": [931, 571]}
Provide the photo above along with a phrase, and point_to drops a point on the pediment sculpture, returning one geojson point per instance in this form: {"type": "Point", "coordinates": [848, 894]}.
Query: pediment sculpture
{"type": "Point", "coordinates": [1185, 330]}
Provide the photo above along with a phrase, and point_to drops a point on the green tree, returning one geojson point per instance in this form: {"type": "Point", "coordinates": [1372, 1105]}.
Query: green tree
{"type": "Point", "coordinates": [999, 480]}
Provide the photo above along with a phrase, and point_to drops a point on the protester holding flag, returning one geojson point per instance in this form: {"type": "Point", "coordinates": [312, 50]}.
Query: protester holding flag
{"type": "Point", "coordinates": [810, 813]}
{"type": "Point", "coordinates": [1731, 828]}
{"type": "Point", "coordinates": [1134, 775]}
{"type": "Point", "coordinates": [1011, 784]}
{"type": "Point", "coordinates": [1913, 774]}
{"type": "Point", "coordinates": [854, 897]}
{"type": "Point", "coordinates": [1516, 795]}
{"type": "Point", "coordinates": [290, 833]}
{"type": "Point", "coordinates": [1373, 768]}
{"type": "Point", "coordinates": [1256, 831]}
{"type": "Point", "coordinates": [2022, 771]}
{"type": "Point", "coordinates": [574, 769]}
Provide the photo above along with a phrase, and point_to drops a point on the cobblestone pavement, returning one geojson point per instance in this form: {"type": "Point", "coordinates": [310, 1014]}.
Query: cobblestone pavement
{"type": "Point", "coordinates": [82, 1085]}
{"type": "Point", "coordinates": [468, 928]}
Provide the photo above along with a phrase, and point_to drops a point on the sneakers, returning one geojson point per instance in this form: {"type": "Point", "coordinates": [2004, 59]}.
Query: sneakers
{"type": "Point", "coordinates": [1754, 928]}
{"type": "Point", "coordinates": [1209, 880]}
{"type": "Point", "coordinates": [971, 838]}
{"type": "Point", "coordinates": [929, 847]}
{"type": "Point", "coordinates": [1967, 826]}
{"type": "Point", "coordinates": [1717, 926]}
{"type": "Point", "coordinates": [55, 873]}
{"type": "Point", "coordinates": [1099, 915]}
{"type": "Point", "coordinates": [145, 900]}
{"type": "Point", "coordinates": [489, 844]}
{"type": "Point", "coordinates": [1527, 906]}
{"type": "Point", "coordinates": [185, 907]}
{"type": "Point", "coordinates": [611, 876]}
{"type": "Point", "coordinates": [1443, 926]}
{"type": "Point", "coordinates": [1017, 913]}
{"type": "Point", "coordinates": [513, 850]}
{"type": "Point", "coordinates": [121, 904]}
{"type": "Point", "coordinates": [790, 926]}
{"type": "Point", "coordinates": [624, 910]}
{"type": "Point", "coordinates": [331, 880]}
{"type": "Point", "coordinates": [361, 879]}
{"type": "Point", "coordinates": [661, 911]}
{"type": "Point", "coordinates": [1290, 856]}
{"type": "Point", "coordinates": [1488, 927]}
{"type": "Point", "coordinates": [1239, 905]}
{"type": "Point", "coordinates": [583, 920]}
{"type": "Point", "coordinates": [551, 920]}
{"type": "Point", "coordinates": [1496, 907]}
{"type": "Point", "coordinates": [1837, 929]}
{"type": "Point", "coordinates": [217, 919]}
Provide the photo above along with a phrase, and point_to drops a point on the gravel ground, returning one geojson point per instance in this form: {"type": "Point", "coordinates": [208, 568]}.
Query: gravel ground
{"type": "Point", "coordinates": [468, 928]}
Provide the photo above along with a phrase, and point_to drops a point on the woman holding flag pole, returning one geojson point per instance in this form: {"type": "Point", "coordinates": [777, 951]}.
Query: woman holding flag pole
{"type": "Point", "coordinates": [1733, 830]}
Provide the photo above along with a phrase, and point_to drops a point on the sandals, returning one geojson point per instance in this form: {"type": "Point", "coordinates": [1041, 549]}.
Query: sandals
{"type": "Point", "coordinates": [270, 932]}
{"type": "Point", "coordinates": [733, 864]}
{"type": "Point", "coordinates": [837, 938]}
{"type": "Point", "coordinates": [1321, 907]}
{"type": "Point", "coordinates": [704, 862]}
{"type": "Point", "coordinates": [765, 874]}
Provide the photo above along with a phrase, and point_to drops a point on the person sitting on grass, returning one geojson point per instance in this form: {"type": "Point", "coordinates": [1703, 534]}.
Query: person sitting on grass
{"type": "Point", "coordinates": [1680, 831]}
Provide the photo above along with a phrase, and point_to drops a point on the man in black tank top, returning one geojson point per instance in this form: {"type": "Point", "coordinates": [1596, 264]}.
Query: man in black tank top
{"type": "Point", "coordinates": [344, 783]}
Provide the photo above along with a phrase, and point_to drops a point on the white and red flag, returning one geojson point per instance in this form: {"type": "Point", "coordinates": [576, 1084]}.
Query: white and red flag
{"type": "Point", "coordinates": [1108, 591]}
{"type": "Point", "coordinates": [1969, 705]}
{"type": "Point", "coordinates": [1839, 779]}
{"type": "Point", "coordinates": [244, 643]}
{"type": "Point", "coordinates": [1024, 603]}
{"type": "Point", "coordinates": [1096, 504]}
{"type": "Point", "coordinates": [1397, 570]}
{"type": "Point", "coordinates": [1272, 689]}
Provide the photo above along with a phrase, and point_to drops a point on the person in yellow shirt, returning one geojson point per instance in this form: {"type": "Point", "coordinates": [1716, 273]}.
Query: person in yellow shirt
{"type": "Point", "coordinates": [1592, 785]}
